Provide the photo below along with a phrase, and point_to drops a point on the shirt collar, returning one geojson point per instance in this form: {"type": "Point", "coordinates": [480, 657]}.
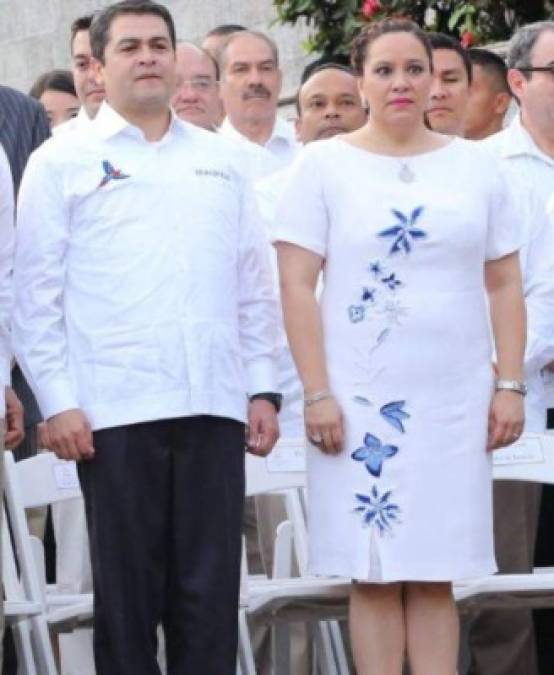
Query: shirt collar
{"type": "Point", "coordinates": [282, 132]}
{"type": "Point", "coordinates": [518, 142]}
{"type": "Point", "coordinates": [108, 123]}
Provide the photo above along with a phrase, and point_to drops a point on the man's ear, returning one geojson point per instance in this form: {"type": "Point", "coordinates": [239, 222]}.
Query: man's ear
{"type": "Point", "coordinates": [502, 102]}
{"type": "Point", "coordinates": [516, 82]}
{"type": "Point", "coordinates": [97, 68]}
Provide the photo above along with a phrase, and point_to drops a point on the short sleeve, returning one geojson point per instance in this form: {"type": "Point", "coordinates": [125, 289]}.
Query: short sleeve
{"type": "Point", "coordinates": [301, 215]}
{"type": "Point", "coordinates": [505, 226]}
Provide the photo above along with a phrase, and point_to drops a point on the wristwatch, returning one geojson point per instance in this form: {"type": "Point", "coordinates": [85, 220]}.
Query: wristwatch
{"type": "Point", "coordinates": [275, 399]}
{"type": "Point", "coordinates": [511, 385]}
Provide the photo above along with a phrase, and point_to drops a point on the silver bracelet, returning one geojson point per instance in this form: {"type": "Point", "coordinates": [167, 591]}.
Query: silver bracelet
{"type": "Point", "coordinates": [511, 385]}
{"type": "Point", "coordinates": [318, 396]}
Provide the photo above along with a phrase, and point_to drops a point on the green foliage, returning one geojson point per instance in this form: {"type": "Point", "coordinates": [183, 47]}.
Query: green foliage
{"type": "Point", "coordinates": [334, 23]}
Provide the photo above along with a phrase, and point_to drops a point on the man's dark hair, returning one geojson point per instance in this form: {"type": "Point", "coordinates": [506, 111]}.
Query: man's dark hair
{"type": "Point", "coordinates": [53, 80]}
{"type": "Point", "coordinates": [442, 41]}
{"type": "Point", "coordinates": [80, 24]}
{"type": "Point", "coordinates": [493, 65]}
{"type": "Point", "coordinates": [319, 68]}
{"type": "Point", "coordinates": [333, 60]}
{"type": "Point", "coordinates": [100, 27]}
{"type": "Point", "coordinates": [225, 29]}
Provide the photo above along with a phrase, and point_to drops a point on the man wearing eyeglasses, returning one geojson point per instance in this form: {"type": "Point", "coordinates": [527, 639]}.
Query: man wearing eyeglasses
{"type": "Point", "coordinates": [526, 147]}
{"type": "Point", "coordinates": [197, 97]}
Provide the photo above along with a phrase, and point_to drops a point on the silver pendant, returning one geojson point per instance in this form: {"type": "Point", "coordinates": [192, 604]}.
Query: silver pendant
{"type": "Point", "coordinates": [405, 174]}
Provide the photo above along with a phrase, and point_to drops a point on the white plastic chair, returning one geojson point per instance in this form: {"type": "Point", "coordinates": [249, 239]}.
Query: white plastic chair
{"type": "Point", "coordinates": [531, 459]}
{"type": "Point", "coordinates": [298, 598]}
{"type": "Point", "coordinates": [40, 481]}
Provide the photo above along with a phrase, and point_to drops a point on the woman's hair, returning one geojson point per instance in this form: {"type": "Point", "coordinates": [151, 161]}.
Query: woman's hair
{"type": "Point", "coordinates": [53, 80]}
{"type": "Point", "coordinates": [367, 37]}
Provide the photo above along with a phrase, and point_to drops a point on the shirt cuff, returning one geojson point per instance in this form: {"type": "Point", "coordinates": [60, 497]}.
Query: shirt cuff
{"type": "Point", "coordinates": [56, 397]}
{"type": "Point", "coordinates": [261, 375]}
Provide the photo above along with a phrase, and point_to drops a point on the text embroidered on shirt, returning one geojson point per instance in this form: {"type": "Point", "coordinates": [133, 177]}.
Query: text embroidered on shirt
{"type": "Point", "coordinates": [111, 173]}
{"type": "Point", "coordinates": [212, 172]}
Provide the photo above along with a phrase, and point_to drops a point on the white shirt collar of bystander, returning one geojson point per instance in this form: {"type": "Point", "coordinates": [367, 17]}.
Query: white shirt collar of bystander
{"type": "Point", "coordinates": [518, 142]}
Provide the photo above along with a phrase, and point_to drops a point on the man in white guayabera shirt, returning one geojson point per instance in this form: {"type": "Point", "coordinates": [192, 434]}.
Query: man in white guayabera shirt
{"type": "Point", "coordinates": [145, 316]}
{"type": "Point", "coordinates": [526, 148]}
{"type": "Point", "coordinates": [251, 82]}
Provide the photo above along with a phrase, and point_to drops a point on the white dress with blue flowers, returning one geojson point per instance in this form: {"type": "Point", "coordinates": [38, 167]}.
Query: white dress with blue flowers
{"type": "Point", "coordinates": [408, 349]}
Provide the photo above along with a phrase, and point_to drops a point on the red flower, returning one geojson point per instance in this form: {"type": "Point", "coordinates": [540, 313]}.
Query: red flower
{"type": "Point", "coordinates": [467, 39]}
{"type": "Point", "coordinates": [370, 7]}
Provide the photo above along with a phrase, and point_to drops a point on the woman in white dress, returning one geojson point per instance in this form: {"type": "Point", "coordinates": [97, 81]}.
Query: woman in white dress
{"type": "Point", "coordinates": [411, 228]}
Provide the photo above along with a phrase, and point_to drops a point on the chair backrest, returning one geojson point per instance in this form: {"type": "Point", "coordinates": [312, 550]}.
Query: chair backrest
{"type": "Point", "coordinates": [38, 481]}
{"type": "Point", "coordinates": [283, 469]}
{"type": "Point", "coordinates": [42, 479]}
{"type": "Point", "coordinates": [530, 459]}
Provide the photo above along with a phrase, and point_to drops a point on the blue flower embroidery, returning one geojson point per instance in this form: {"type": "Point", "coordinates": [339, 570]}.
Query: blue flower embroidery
{"type": "Point", "coordinates": [368, 294]}
{"type": "Point", "coordinates": [391, 282]}
{"type": "Point", "coordinates": [376, 268]}
{"type": "Point", "coordinates": [373, 453]}
{"type": "Point", "coordinates": [356, 313]}
{"type": "Point", "coordinates": [110, 173]}
{"type": "Point", "coordinates": [377, 510]}
{"type": "Point", "coordinates": [405, 231]}
{"type": "Point", "coordinates": [394, 413]}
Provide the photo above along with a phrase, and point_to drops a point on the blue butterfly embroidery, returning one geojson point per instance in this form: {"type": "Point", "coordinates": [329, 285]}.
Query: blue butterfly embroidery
{"type": "Point", "coordinates": [394, 413]}
{"type": "Point", "coordinates": [110, 173]}
{"type": "Point", "coordinates": [356, 313]}
{"type": "Point", "coordinates": [391, 282]}
{"type": "Point", "coordinates": [373, 453]}
{"type": "Point", "coordinates": [377, 509]}
{"type": "Point", "coordinates": [405, 231]}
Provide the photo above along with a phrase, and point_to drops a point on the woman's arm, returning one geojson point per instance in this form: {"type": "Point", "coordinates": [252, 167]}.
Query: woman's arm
{"type": "Point", "coordinates": [507, 308]}
{"type": "Point", "coordinates": [298, 271]}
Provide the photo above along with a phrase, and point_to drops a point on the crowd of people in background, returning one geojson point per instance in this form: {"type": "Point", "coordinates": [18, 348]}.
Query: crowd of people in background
{"type": "Point", "coordinates": [152, 332]}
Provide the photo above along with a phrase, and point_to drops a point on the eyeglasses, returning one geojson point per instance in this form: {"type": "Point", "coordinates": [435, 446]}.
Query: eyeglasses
{"type": "Point", "coordinates": [200, 86]}
{"type": "Point", "coordinates": [538, 69]}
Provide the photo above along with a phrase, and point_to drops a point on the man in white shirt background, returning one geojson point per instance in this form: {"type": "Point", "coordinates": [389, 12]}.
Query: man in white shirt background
{"type": "Point", "coordinates": [151, 317]}
{"type": "Point", "coordinates": [251, 82]}
{"type": "Point", "coordinates": [502, 642]}
{"type": "Point", "coordinates": [196, 99]}
{"type": "Point", "coordinates": [527, 149]}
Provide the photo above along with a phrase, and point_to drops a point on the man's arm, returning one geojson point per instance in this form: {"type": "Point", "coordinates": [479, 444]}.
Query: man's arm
{"type": "Point", "coordinates": [258, 322]}
{"type": "Point", "coordinates": [38, 317]}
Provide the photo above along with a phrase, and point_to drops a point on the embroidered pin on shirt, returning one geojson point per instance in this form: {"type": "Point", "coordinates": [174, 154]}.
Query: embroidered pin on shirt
{"type": "Point", "coordinates": [111, 173]}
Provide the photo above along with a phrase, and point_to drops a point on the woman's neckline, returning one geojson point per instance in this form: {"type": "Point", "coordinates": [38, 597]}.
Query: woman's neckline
{"type": "Point", "coordinates": [425, 153]}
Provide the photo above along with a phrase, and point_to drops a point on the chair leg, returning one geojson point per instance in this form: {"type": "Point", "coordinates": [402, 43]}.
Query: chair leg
{"type": "Point", "coordinates": [21, 632]}
{"type": "Point", "coordinates": [246, 657]}
{"type": "Point", "coordinates": [43, 647]}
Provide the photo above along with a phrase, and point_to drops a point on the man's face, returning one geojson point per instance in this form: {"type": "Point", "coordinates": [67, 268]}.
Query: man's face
{"type": "Point", "coordinates": [138, 72]}
{"type": "Point", "coordinates": [449, 93]}
{"type": "Point", "coordinates": [197, 97]}
{"type": "Point", "coordinates": [487, 105]}
{"type": "Point", "coordinates": [251, 80]}
{"type": "Point", "coordinates": [330, 104]}
{"type": "Point", "coordinates": [89, 91]}
{"type": "Point", "coordinates": [536, 94]}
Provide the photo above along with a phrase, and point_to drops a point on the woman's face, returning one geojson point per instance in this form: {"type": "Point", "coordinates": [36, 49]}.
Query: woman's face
{"type": "Point", "coordinates": [59, 106]}
{"type": "Point", "coordinates": [396, 79]}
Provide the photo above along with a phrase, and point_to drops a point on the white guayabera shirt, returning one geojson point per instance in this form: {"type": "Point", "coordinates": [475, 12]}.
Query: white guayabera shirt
{"type": "Point", "coordinates": [531, 174]}
{"type": "Point", "coordinates": [276, 154]}
{"type": "Point", "coordinates": [143, 286]}
{"type": "Point", "coordinates": [6, 259]}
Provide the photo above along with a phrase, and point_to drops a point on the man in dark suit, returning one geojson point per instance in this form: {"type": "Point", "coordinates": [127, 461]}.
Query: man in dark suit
{"type": "Point", "coordinates": [23, 127]}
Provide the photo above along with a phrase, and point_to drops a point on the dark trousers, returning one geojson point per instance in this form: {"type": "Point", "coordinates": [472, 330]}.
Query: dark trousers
{"type": "Point", "coordinates": [164, 504]}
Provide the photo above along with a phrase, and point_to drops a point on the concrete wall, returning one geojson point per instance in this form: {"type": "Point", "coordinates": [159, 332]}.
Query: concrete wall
{"type": "Point", "coordinates": [34, 34]}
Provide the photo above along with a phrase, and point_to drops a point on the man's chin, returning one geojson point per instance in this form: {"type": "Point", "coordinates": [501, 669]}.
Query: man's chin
{"type": "Point", "coordinates": [330, 132]}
